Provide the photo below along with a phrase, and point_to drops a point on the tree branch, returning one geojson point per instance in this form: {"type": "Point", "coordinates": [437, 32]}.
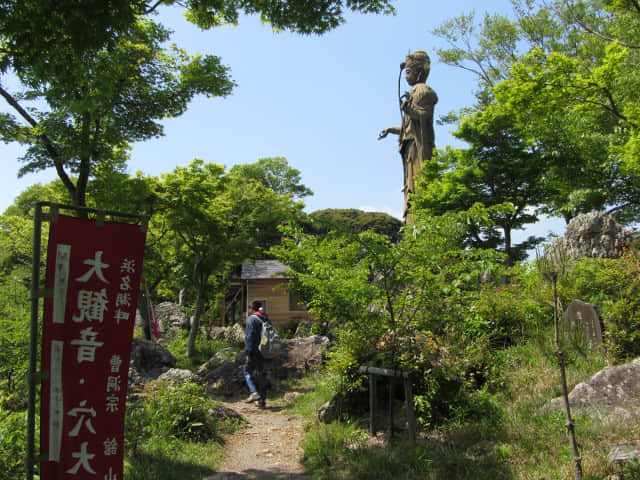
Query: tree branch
{"type": "Point", "coordinates": [48, 144]}
{"type": "Point", "coordinates": [603, 36]}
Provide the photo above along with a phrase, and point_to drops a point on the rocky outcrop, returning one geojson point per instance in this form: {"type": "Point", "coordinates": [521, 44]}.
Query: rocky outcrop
{"type": "Point", "coordinates": [612, 393]}
{"type": "Point", "coordinates": [171, 315]}
{"type": "Point", "coordinates": [148, 361]}
{"type": "Point", "coordinates": [593, 235]}
{"type": "Point", "coordinates": [233, 335]}
{"type": "Point", "coordinates": [178, 375]}
{"type": "Point", "coordinates": [298, 356]}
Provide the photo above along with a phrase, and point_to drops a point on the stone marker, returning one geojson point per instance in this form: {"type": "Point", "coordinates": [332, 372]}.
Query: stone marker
{"type": "Point", "coordinates": [583, 320]}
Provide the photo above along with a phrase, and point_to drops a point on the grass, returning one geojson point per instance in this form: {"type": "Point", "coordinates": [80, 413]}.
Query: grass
{"type": "Point", "coordinates": [206, 348]}
{"type": "Point", "coordinates": [170, 459]}
{"type": "Point", "coordinates": [512, 442]}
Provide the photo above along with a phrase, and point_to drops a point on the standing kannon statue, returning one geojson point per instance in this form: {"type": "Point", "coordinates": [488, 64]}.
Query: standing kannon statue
{"type": "Point", "coordinates": [416, 135]}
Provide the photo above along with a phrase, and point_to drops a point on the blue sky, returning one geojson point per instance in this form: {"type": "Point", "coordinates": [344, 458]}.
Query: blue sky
{"type": "Point", "coordinates": [318, 101]}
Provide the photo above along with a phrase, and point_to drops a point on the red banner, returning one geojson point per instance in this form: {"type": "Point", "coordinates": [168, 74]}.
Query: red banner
{"type": "Point", "coordinates": [155, 324]}
{"type": "Point", "coordinates": [94, 272]}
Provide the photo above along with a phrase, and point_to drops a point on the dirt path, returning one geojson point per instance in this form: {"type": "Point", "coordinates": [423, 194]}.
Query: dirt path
{"type": "Point", "coordinates": [267, 448]}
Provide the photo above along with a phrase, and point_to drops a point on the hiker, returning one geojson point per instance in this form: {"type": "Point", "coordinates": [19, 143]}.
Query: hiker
{"type": "Point", "coordinates": [254, 362]}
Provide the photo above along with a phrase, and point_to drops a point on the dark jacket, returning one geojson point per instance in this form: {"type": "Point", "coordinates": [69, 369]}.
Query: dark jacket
{"type": "Point", "coordinates": [253, 334]}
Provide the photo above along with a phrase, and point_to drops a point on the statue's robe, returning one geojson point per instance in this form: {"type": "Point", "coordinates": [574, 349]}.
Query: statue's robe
{"type": "Point", "coordinates": [417, 137]}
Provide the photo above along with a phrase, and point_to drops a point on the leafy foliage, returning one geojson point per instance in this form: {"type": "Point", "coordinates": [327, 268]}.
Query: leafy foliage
{"type": "Point", "coordinates": [613, 285]}
{"type": "Point", "coordinates": [14, 344]}
{"type": "Point", "coordinates": [563, 73]}
{"type": "Point", "coordinates": [169, 410]}
{"type": "Point", "coordinates": [355, 221]}
{"type": "Point", "coordinates": [13, 432]}
{"type": "Point", "coordinates": [97, 76]}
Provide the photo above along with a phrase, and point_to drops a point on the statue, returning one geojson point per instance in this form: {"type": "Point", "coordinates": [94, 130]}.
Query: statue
{"type": "Point", "coordinates": [416, 135]}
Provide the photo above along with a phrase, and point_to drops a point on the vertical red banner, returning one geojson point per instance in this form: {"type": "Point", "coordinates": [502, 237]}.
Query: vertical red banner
{"type": "Point", "coordinates": [94, 272]}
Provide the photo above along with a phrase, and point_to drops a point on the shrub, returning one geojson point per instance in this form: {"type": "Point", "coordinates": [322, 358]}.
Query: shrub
{"type": "Point", "coordinates": [505, 316]}
{"type": "Point", "coordinates": [205, 349]}
{"type": "Point", "coordinates": [177, 410]}
{"type": "Point", "coordinates": [13, 428]}
{"type": "Point", "coordinates": [614, 286]}
{"type": "Point", "coordinates": [325, 446]}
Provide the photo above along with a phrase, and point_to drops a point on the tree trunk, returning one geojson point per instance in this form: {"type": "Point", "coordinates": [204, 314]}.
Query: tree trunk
{"type": "Point", "coordinates": [195, 324]}
{"type": "Point", "coordinates": [143, 308]}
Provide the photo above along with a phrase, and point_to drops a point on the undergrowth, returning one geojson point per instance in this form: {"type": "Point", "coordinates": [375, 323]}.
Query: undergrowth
{"type": "Point", "coordinates": [514, 439]}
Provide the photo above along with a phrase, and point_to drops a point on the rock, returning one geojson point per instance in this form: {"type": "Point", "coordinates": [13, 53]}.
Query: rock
{"type": "Point", "coordinates": [223, 379]}
{"type": "Point", "coordinates": [330, 411]}
{"type": "Point", "coordinates": [220, 412]}
{"type": "Point", "coordinates": [171, 315]}
{"type": "Point", "coordinates": [582, 322]}
{"type": "Point", "coordinates": [298, 356]}
{"type": "Point", "coordinates": [148, 361]}
{"type": "Point", "coordinates": [233, 335]}
{"type": "Point", "coordinates": [593, 235]}
{"type": "Point", "coordinates": [175, 375]}
{"type": "Point", "coordinates": [611, 393]}
{"type": "Point", "coordinates": [623, 452]}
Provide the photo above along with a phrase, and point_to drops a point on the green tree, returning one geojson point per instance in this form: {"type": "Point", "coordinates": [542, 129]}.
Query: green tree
{"type": "Point", "coordinates": [96, 77]}
{"type": "Point", "coordinates": [501, 170]}
{"type": "Point", "coordinates": [568, 82]}
{"type": "Point", "coordinates": [393, 302]}
{"type": "Point", "coordinates": [215, 217]}
{"type": "Point", "coordinates": [82, 121]}
{"type": "Point", "coordinates": [274, 173]}
{"type": "Point", "coordinates": [354, 220]}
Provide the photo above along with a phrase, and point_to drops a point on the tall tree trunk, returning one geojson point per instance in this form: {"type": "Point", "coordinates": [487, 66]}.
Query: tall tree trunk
{"type": "Point", "coordinates": [143, 308]}
{"type": "Point", "coordinates": [195, 324]}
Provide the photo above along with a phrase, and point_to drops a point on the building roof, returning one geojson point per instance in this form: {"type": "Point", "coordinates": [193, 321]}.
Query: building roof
{"type": "Point", "coordinates": [262, 269]}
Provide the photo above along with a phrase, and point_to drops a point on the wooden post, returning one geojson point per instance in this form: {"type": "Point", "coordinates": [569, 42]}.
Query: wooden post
{"type": "Point", "coordinates": [372, 404]}
{"type": "Point", "coordinates": [408, 393]}
{"type": "Point", "coordinates": [391, 389]}
{"type": "Point", "coordinates": [411, 418]}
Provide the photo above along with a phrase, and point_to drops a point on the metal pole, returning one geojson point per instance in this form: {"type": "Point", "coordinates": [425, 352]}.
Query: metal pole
{"type": "Point", "coordinates": [33, 343]}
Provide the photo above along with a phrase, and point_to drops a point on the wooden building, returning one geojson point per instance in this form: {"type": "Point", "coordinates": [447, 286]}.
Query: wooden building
{"type": "Point", "coordinates": [264, 280]}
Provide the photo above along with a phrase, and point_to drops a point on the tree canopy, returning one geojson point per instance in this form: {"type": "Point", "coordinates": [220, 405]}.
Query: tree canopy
{"type": "Point", "coordinates": [95, 76]}
{"type": "Point", "coordinates": [555, 118]}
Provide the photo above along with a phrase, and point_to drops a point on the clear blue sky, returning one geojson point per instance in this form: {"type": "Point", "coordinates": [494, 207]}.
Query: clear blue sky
{"type": "Point", "coordinates": [320, 102]}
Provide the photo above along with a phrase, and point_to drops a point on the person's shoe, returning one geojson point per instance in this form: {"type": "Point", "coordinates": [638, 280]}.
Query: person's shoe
{"type": "Point", "coordinates": [262, 405]}
{"type": "Point", "coordinates": [254, 397]}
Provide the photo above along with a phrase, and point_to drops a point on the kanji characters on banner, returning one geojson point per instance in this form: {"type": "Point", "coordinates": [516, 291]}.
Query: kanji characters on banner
{"type": "Point", "coordinates": [94, 272]}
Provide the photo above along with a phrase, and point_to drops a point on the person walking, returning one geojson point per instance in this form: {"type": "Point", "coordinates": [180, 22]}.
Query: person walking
{"type": "Point", "coordinates": [253, 370]}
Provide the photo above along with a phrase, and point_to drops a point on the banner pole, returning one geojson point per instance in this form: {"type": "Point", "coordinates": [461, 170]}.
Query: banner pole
{"type": "Point", "coordinates": [33, 342]}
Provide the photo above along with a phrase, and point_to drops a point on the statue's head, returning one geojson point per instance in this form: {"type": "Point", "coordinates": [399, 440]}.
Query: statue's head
{"type": "Point", "coordinates": [418, 65]}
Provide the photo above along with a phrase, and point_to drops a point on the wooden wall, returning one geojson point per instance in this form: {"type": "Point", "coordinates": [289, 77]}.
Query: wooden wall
{"type": "Point", "coordinates": [277, 300]}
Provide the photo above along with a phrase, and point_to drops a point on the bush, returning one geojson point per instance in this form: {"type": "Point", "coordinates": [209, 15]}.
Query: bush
{"type": "Point", "coordinates": [13, 433]}
{"type": "Point", "coordinates": [325, 446]}
{"type": "Point", "coordinates": [205, 349]}
{"type": "Point", "coordinates": [505, 316]}
{"type": "Point", "coordinates": [176, 410]}
{"type": "Point", "coordinates": [614, 286]}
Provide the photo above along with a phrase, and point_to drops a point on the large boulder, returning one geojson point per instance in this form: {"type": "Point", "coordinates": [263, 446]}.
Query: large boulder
{"type": "Point", "coordinates": [171, 315]}
{"type": "Point", "coordinates": [611, 393]}
{"type": "Point", "coordinates": [148, 361]}
{"type": "Point", "coordinates": [298, 356]}
{"type": "Point", "coordinates": [594, 235]}
{"type": "Point", "coordinates": [233, 335]}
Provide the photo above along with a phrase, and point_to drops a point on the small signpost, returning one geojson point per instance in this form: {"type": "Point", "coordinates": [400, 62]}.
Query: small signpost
{"type": "Point", "coordinates": [93, 272]}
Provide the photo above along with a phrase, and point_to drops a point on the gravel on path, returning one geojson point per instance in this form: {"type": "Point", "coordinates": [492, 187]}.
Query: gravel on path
{"type": "Point", "coordinates": [267, 448]}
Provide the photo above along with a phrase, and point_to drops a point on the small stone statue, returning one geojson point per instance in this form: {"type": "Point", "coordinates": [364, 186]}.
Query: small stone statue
{"type": "Point", "coordinates": [416, 136]}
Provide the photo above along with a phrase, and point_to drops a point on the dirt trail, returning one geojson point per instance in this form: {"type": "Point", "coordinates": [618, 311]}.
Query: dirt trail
{"type": "Point", "coordinates": [267, 448]}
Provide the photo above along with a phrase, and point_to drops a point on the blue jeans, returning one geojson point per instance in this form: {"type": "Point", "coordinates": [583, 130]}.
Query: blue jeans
{"type": "Point", "coordinates": [255, 376]}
